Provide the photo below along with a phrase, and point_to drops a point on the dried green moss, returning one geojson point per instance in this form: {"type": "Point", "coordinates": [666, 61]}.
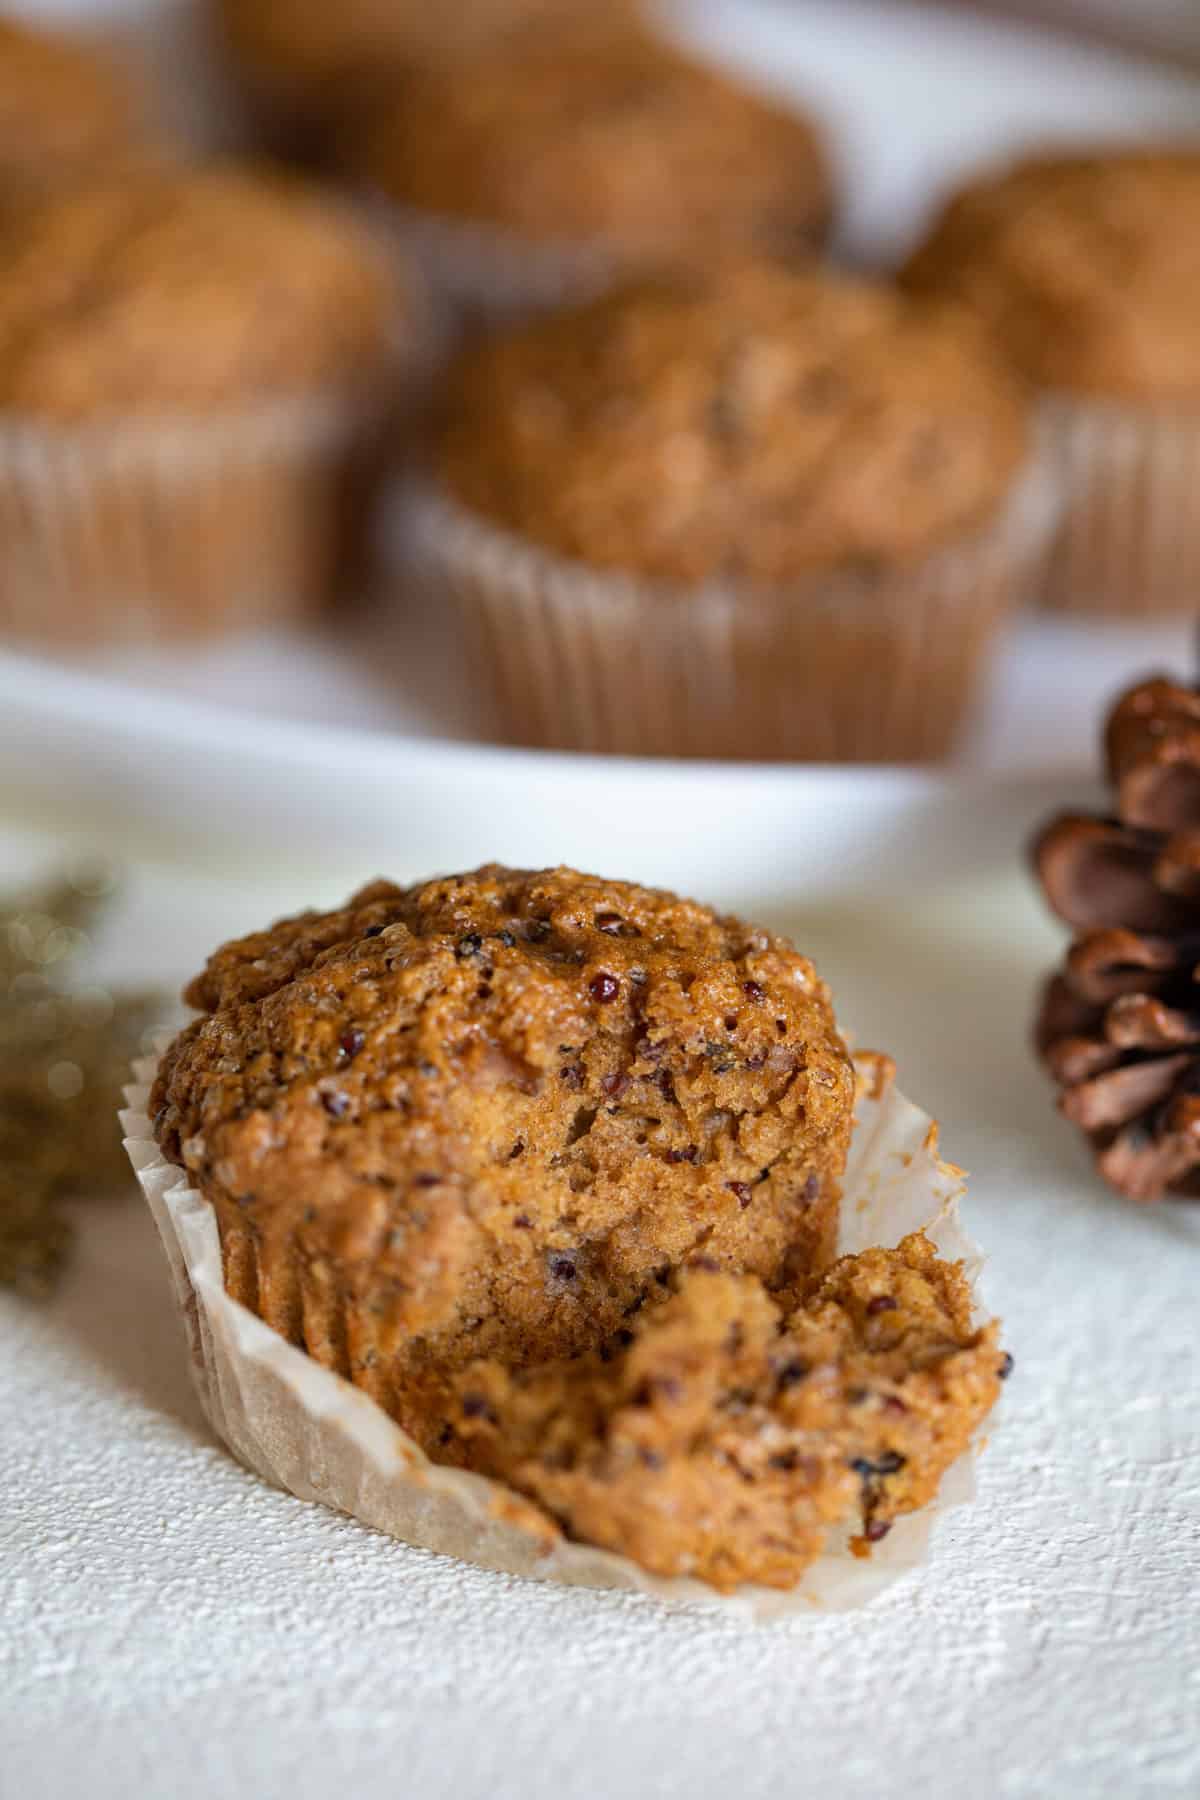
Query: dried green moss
{"type": "Point", "coordinates": [65, 1051]}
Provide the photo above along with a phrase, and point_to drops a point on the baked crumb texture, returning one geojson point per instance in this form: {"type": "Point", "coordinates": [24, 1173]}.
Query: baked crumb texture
{"type": "Point", "coordinates": [1085, 268]}
{"type": "Point", "coordinates": [622, 142]}
{"type": "Point", "coordinates": [274, 290]}
{"type": "Point", "coordinates": [514, 1151]}
{"type": "Point", "coordinates": [757, 428]}
{"type": "Point", "coordinates": [316, 61]}
{"type": "Point", "coordinates": [722, 1432]}
{"type": "Point", "coordinates": [67, 110]}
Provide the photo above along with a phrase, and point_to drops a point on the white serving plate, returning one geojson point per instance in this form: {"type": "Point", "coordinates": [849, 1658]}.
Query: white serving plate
{"type": "Point", "coordinates": [205, 784]}
{"type": "Point", "coordinates": [205, 742]}
{"type": "Point", "coordinates": [173, 1627]}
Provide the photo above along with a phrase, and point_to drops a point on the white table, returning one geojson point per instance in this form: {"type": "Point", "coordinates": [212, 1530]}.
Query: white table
{"type": "Point", "coordinates": [171, 1627]}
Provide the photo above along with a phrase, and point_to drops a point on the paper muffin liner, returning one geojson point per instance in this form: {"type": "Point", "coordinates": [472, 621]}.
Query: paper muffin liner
{"type": "Point", "coordinates": [853, 666]}
{"type": "Point", "coordinates": [307, 1431]}
{"type": "Point", "coordinates": [483, 275]}
{"type": "Point", "coordinates": [1128, 543]}
{"type": "Point", "coordinates": [139, 532]}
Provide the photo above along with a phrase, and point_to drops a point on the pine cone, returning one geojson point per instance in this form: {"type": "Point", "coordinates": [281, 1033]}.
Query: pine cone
{"type": "Point", "coordinates": [1119, 1026]}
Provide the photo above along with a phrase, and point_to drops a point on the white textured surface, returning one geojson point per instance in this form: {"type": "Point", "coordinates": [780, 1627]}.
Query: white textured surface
{"type": "Point", "coordinates": [172, 1627]}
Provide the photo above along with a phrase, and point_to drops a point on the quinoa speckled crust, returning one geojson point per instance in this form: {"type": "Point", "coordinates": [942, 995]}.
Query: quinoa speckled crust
{"type": "Point", "coordinates": [1086, 266]}
{"type": "Point", "coordinates": [759, 426]}
{"type": "Point", "coordinates": [488, 1116]}
{"type": "Point", "coordinates": [185, 292]}
{"type": "Point", "coordinates": [724, 1433]}
{"type": "Point", "coordinates": [66, 109]}
{"type": "Point", "coordinates": [626, 143]}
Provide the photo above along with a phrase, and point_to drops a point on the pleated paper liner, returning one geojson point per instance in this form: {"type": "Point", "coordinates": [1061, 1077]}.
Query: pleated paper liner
{"type": "Point", "coordinates": [139, 533]}
{"type": "Point", "coordinates": [1128, 545]}
{"type": "Point", "coordinates": [853, 666]}
{"type": "Point", "coordinates": [485, 275]}
{"type": "Point", "coordinates": [482, 275]}
{"type": "Point", "coordinates": [307, 1431]}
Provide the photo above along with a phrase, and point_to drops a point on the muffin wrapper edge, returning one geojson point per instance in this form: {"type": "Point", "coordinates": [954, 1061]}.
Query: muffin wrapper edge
{"type": "Point", "coordinates": [1128, 544]}
{"type": "Point", "coordinates": [853, 666]}
{"type": "Point", "coordinates": [307, 1431]}
{"type": "Point", "coordinates": [481, 273]}
{"type": "Point", "coordinates": [180, 529]}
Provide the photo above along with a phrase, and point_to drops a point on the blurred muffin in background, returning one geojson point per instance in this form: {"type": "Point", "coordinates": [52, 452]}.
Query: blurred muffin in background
{"type": "Point", "coordinates": [67, 111]}
{"type": "Point", "coordinates": [190, 365]}
{"type": "Point", "coordinates": [1087, 269]}
{"type": "Point", "coordinates": [523, 179]}
{"type": "Point", "coordinates": [768, 513]}
{"type": "Point", "coordinates": [302, 65]}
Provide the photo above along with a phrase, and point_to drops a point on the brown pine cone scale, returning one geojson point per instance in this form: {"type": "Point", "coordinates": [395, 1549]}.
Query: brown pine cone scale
{"type": "Point", "coordinates": [1119, 1023]}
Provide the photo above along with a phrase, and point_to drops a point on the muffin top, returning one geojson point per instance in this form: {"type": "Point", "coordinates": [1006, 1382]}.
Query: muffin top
{"type": "Point", "coordinates": [184, 291]}
{"type": "Point", "coordinates": [491, 1113]}
{"type": "Point", "coordinates": [757, 426]}
{"type": "Point", "coordinates": [1086, 267]}
{"type": "Point", "coordinates": [626, 143]}
{"type": "Point", "coordinates": [309, 52]}
{"type": "Point", "coordinates": [65, 110]}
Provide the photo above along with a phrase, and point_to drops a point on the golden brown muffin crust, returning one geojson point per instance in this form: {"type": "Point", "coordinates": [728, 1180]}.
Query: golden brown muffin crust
{"type": "Point", "coordinates": [185, 291]}
{"type": "Point", "coordinates": [757, 426]}
{"type": "Point", "coordinates": [728, 1432]}
{"type": "Point", "coordinates": [491, 1114]}
{"type": "Point", "coordinates": [1087, 267]}
{"type": "Point", "coordinates": [626, 143]}
{"type": "Point", "coordinates": [66, 109]}
{"type": "Point", "coordinates": [316, 54]}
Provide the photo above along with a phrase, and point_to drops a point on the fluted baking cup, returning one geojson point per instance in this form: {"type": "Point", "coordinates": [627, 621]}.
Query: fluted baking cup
{"type": "Point", "coordinates": [482, 274]}
{"type": "Point", "coordinates": [307, 1431]}
{"type": "Point", "coordinates": [137, 533]}
{"type": "Point", "coordinates": [851, 666]}
{"type": "Point", "coordinates": [1128, 544]}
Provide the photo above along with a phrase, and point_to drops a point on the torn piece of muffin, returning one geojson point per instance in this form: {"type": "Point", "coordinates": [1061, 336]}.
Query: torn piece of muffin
{"type": "Point", "coordinates": [721, 1434]}
{"type": "Point", "coordinates": [490, 1115]}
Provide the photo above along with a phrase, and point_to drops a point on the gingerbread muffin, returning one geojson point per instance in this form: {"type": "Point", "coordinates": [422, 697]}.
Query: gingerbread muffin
{"type": "Point", "coordinates": [526, 178]}
{"type": "Point", "coordinates": [491, 1115]}
{"type": "Point", "coordinates": [189, 362]}
{"type": "Point", "coordinates": [773, 513]}
{"type": "Point", "coordinates": [67, 111]}
{"type": "Point", "coordinates": [304, 66]}
{"type": "Point", "coordinates": [1085, 267]}
{"type": "Point", "coordinates": [550, 1167]}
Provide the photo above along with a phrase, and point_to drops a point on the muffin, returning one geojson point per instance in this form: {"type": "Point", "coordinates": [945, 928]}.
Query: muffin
{"type": "Point", "coordinates": [550, 1167]}
{"type": "Point", "coordinates": [67, 111]}
{"type": "Point", "coordinates": [769, 514]}
{"type": "Point", "coordinates": [489, 1115]}
{"type": "Point", "coordinates": [1086, 269]}
{"type": "Point", "coordinates": [304, 66]}
{"type": "Point", "coordinates": [527, 178]}
{"type": "Point", "coordinates": [189, 364]}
